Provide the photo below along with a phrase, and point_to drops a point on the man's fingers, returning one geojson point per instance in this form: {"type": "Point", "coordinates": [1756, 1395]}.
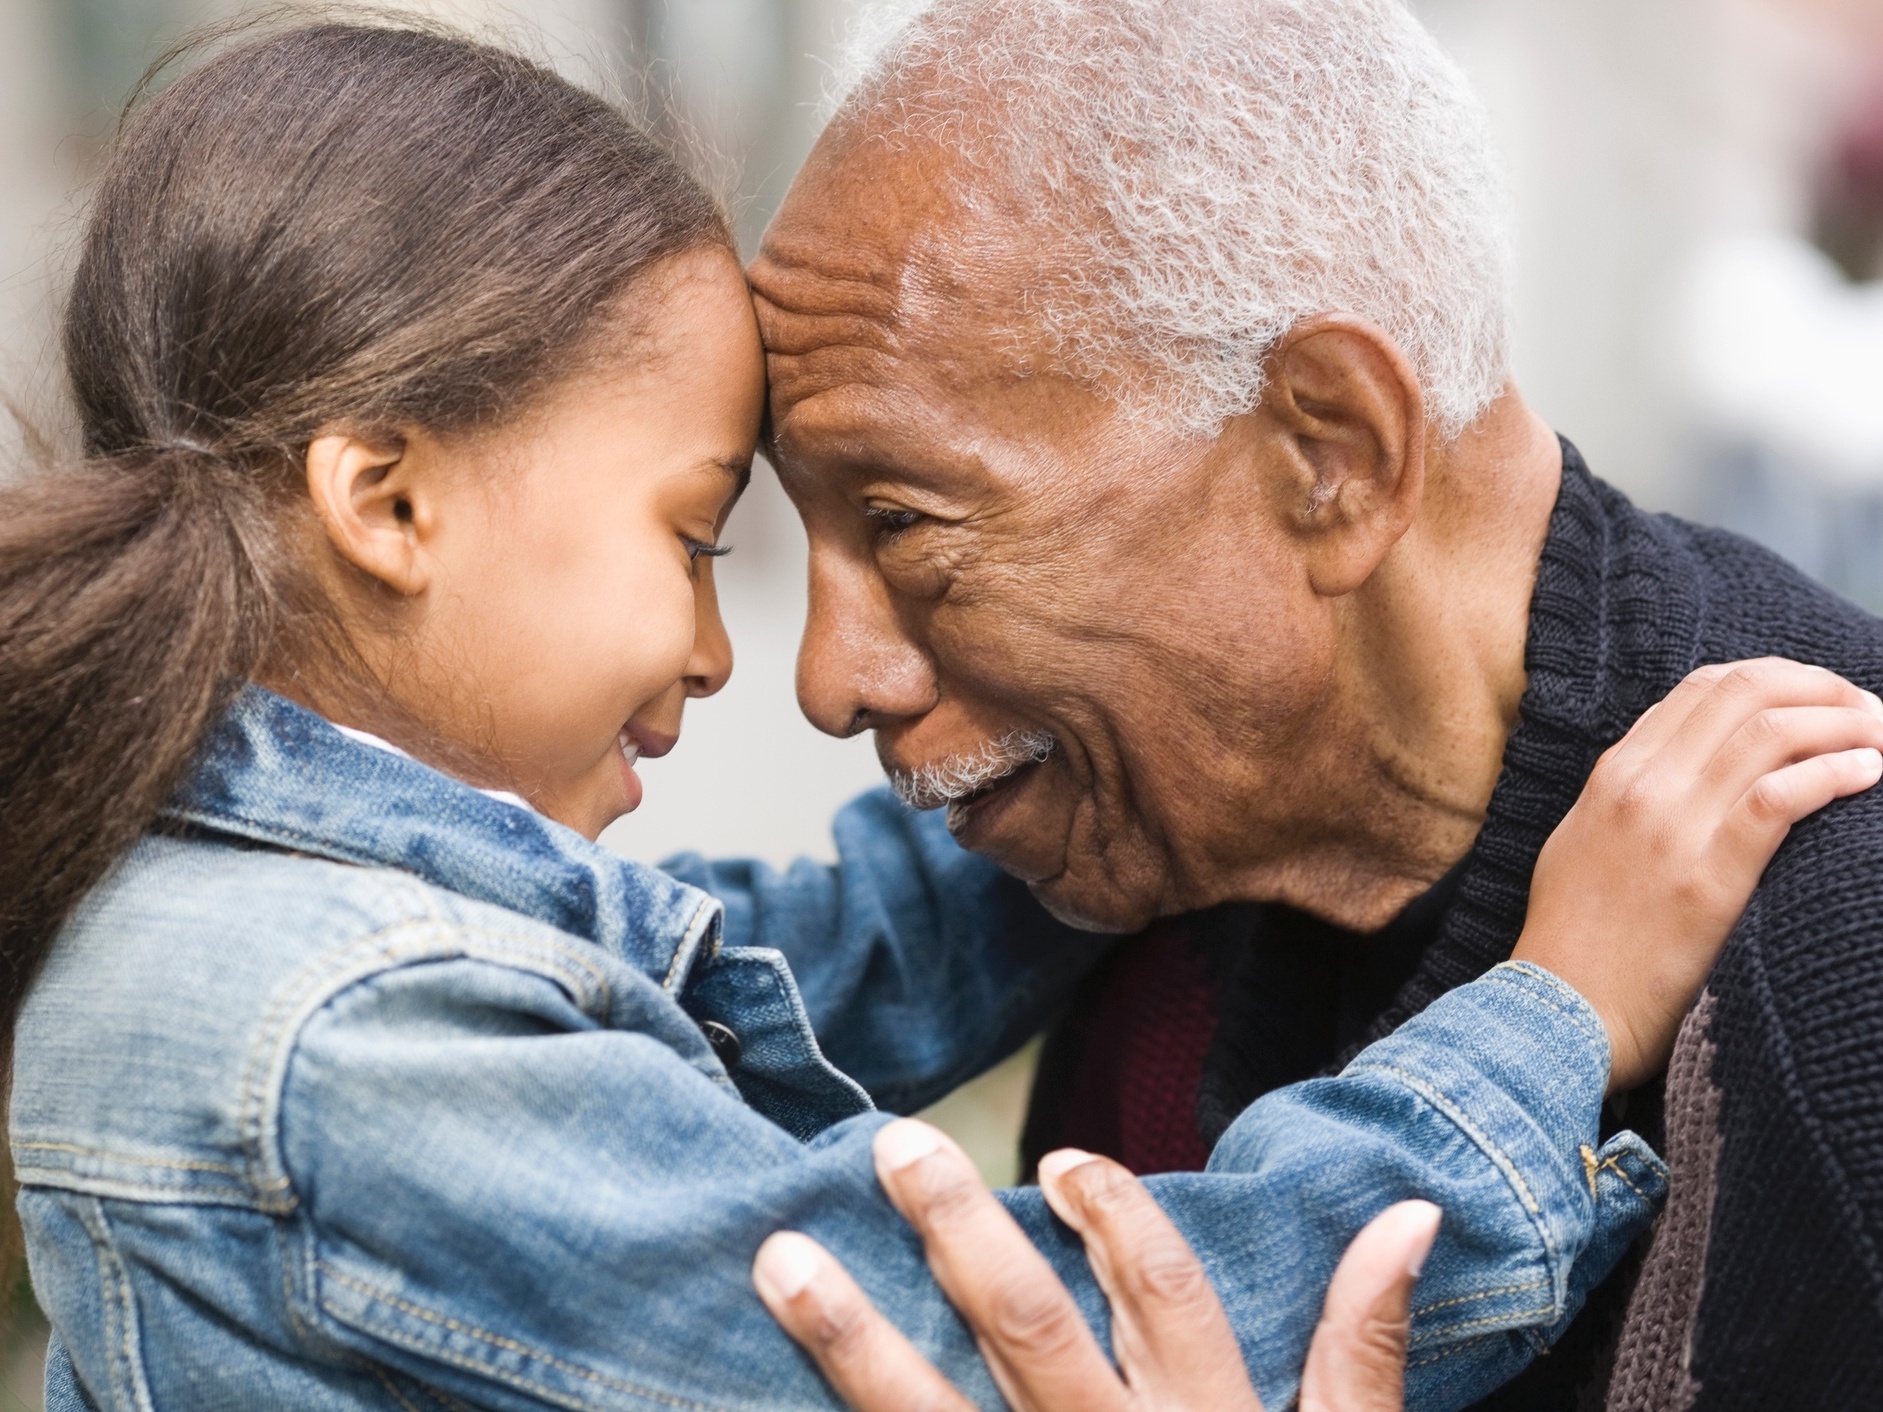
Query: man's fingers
{"type": "Point", "coordinates": [1357, 1361]}
{"type": "Point", "coordinates": [1035, 1339]}
{"type": "Point", "coordinates": [1169, 1331]}
{"type": "Point", "coordinates": [865, 1357]}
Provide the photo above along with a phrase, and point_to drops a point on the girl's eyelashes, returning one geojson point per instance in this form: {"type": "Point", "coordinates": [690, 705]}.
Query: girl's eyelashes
{"type": "Point", "coordinates": [698, 548]}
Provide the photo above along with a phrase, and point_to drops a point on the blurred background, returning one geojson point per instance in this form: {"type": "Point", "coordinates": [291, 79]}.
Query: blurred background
{"type": "Point", "coordinates": [1699, 188]}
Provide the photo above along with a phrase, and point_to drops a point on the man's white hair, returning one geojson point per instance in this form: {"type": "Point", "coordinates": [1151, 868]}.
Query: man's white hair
{"type": "Point", "coordinates": [1212, 172]}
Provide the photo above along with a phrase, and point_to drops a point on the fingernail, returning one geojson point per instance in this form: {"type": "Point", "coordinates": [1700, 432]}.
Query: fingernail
{"type": "Point", "coordinates": [1876, 702]}
{"type": "Point", "coordinates": [1428, 1215]}
{"type": "Point", "coordinates": [1055, 1165]}
{"type": "Point", "coordinates": [905, 1141]}
{"type": "Point", "coordinates": [787, 1262]}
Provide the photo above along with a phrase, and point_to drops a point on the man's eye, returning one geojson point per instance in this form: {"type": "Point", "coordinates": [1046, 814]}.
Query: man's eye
{"type": "Point", "coordinates": [890, 523]}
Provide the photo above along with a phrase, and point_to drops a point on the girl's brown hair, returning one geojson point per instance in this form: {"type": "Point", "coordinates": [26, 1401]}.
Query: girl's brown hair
{"type": "Point", "coordinates": [371, 227]}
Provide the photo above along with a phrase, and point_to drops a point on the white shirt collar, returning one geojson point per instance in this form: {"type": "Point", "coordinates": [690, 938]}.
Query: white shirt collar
{"type": "Point", "coordinates": [502, 796]}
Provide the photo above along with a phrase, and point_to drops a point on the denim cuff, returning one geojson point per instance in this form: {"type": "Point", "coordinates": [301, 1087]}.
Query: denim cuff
{"type": "Point", "coordinates": [1518, 1061]}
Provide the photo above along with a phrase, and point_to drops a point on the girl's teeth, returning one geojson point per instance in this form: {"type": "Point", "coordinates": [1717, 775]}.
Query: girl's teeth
{"type": "Point", "coordinates": [629, 750]}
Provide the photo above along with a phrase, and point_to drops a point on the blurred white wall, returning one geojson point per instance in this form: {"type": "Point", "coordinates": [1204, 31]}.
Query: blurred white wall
{"type": "Point", "coordinates": [33, 196]}
{"type": "Point", "coordinates": [1635, 131]}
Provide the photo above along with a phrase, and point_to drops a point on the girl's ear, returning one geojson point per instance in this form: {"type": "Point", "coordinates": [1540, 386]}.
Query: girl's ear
{"type": "Point", "coordinates": [376, 513]}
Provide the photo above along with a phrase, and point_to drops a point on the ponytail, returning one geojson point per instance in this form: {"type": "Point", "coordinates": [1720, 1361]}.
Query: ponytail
{"type": "Point", "coordinates": [131, 611]}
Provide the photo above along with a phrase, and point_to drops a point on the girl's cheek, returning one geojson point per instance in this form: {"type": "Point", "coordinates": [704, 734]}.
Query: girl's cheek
{"type": "Point", "coordinates": [660, 639]}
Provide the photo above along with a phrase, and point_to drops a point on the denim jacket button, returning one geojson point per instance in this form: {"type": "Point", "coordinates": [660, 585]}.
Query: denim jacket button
{"type": "Point", "coordinates": [724, 1042]}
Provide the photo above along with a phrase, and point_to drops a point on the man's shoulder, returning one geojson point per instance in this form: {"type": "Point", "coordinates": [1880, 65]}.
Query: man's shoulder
{"type": "Point", "coordinates": [1826, 882]}
{"type": "Point", "coordinates": [1799, 1014]}
{"type": "Point", "coordinates": [1785, 1132]}
{"type": "Point", "coordinates": [1754, 603]}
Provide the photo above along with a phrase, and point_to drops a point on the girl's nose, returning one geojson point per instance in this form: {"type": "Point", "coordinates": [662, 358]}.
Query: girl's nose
{"type": "Point", "coordinates": [710, 667]}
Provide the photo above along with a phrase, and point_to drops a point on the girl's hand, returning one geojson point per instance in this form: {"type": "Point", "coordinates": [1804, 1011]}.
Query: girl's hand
{"type": "Point", "coordinates": [1637, 890]}
{"type": "Point", "coordinates": [1173, 1342]}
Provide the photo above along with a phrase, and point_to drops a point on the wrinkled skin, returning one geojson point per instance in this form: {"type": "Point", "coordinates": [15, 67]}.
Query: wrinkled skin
{"type": "Point", "coordinates": [1278, 663]}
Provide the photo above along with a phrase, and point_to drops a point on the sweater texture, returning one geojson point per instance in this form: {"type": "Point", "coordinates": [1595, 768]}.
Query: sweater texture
{"type": "Point", "coordinates": [1783, 1107]}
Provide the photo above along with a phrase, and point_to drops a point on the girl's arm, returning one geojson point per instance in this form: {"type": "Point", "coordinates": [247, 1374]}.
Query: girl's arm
{"type": "Point", "coordinates": [496, 1197]}
{"type": "Point", "coordinates": [920, 964]}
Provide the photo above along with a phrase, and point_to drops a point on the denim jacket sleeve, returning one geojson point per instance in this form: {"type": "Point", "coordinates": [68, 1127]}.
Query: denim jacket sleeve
{"type": "Point", "coordinates": [522, 1204]}
{"type": "Point", "coordinates": [920, 964]}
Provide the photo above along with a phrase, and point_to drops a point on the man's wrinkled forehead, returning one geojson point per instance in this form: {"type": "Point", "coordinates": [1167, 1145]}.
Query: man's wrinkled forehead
{"type": "Point", "coordinates": [880, 262]}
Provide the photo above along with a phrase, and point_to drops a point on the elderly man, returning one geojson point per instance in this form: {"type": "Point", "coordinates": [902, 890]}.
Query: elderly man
{"type": "Point", "coordinates": [1139, 368]}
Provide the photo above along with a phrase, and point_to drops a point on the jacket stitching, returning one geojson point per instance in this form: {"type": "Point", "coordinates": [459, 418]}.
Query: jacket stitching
{"type": "Point", "coordinates": [285, 1253]}
{"type": "Point", "coordinates": [1508, 978]}
{"type": "Point", "coordinates": [1613, 1166]}
{"type": "Point", "coordinates": [1440, 1355]}
{"type": "Point", "coordinates": [1477, 1134]}
{"type": "Point", "coordinates": [108, 1305]}
{"type": "Point", "coordinates": [120, 1311]}
{"type": "Point", "coordinates": [1512, 1176]}
{"type": "Point", "coordinates": [509, 1345]}
{"type": "Point", "coordinates": [688, 946]}
{"type": "Point", "coordinates": [1452, 1329]}
{"type": "Point", "coordinates": [1483, 1294]}
{"type": "Point", "coordinates": [178, 1164]}
{"type": "Point", "coordinates": [239, 1196]}
{"type": "Point", "coordinates": [397, 1396]}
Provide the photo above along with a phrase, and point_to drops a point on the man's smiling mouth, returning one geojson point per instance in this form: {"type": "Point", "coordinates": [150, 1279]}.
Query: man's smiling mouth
{"type": "Point", "coordinates": [964, 782]}
{"type": "Point", "coordinates": [988, 798]}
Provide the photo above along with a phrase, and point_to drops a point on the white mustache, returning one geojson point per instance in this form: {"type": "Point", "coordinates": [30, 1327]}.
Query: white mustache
{"type": "Point", "coordinates": [959, 776]}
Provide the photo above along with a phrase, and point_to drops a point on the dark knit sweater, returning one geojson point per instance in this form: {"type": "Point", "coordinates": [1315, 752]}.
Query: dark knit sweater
{"type": "Point", "coordinates": [1789, 1311]}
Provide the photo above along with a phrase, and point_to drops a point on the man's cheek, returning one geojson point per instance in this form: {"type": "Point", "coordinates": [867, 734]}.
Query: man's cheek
{"type": "Point", "coordinates": [1011, 655]}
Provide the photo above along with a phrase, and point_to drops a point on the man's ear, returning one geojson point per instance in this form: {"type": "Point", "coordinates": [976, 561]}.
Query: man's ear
{"type": "Point", "coordinates": [377, 517]}
{"type": "Point", "coordinates": [1346, 414]}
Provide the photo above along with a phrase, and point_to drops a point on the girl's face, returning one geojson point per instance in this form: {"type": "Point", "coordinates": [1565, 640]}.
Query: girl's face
{"type": "Point", "coordinates": [554, 603]}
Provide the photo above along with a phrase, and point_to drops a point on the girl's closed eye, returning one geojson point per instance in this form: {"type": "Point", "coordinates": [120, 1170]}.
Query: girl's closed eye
{"type": "Point", "coordinates": [698, 548]}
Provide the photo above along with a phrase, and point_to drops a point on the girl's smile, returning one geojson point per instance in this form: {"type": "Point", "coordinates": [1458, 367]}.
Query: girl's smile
{"type": "Point", "coordinates": [637, 743]}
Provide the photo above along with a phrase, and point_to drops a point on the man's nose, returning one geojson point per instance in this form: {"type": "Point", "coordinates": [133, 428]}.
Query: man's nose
{"type": "Point", "coordinates": [858, 667]}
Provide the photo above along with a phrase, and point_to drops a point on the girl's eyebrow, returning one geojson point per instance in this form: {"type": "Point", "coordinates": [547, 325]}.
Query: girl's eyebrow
{"type": "Point", "coordinates": [739, 470]}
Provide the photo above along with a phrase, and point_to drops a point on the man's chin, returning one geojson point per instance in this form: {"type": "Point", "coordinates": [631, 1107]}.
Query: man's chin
{"type": "Point", "coordinates": [1023, 823]}
{"type": "Point", "coordinates": [1070, 911]}
{"type": "Point", "coordinates": [1014, 822]}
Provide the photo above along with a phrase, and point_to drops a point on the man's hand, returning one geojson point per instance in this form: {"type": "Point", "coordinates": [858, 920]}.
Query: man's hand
{"type": "Point", "coordinates": [1639, 887]}
{"type": "Point", "coordinates": [1173, 1342]}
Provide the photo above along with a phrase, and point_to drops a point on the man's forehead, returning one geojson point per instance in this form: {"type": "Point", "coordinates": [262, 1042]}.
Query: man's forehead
{"type": "Point", "coordinates": [891, 292]}
{"type": "Point", "coordinates": [864, 205]}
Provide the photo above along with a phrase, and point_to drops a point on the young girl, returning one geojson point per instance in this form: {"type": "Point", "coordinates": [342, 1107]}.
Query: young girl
{"type": "Point", "coordinates": [347, 1072]}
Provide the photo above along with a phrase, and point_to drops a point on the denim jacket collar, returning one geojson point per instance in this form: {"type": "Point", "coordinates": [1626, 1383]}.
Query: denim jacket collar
{"type": "Point", "coordinates": [275, 773]}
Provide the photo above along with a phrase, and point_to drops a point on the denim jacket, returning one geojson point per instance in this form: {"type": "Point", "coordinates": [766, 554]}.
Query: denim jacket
{"type": "Point", "coordinates": [353, 1088]}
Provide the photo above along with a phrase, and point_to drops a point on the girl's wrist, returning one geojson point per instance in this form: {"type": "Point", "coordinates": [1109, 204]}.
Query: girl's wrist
{"type": "Point", "coordinates": [1584, 974]}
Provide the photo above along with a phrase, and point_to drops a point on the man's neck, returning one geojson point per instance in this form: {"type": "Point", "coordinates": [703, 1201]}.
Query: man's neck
{"type": "Point", "coordinates": [1430, 672]}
